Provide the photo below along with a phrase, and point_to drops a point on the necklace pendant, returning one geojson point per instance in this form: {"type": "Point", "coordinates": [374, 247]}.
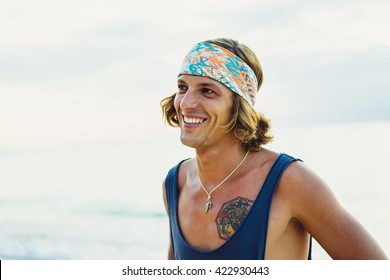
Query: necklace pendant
{"type": "Point", "coordinates": [207, 206]}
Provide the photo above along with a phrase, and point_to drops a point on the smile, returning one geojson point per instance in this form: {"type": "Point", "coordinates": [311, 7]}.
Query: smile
{"type": "Point", "coordinates": [192, 120]}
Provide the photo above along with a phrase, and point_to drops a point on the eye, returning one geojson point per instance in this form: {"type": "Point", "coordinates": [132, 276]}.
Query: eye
{"type": "Point", "coordinates": [182, 88]}
{"type": "Point", "coordinates": [207, 91]}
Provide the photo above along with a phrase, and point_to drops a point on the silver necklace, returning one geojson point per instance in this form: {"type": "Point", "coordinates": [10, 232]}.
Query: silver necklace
{"type": "Point", "coordinates": [208, 204]}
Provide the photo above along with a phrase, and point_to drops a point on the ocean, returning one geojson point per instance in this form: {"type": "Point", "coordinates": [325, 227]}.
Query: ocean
{"type": "Point", "coordinates": [103, 200]}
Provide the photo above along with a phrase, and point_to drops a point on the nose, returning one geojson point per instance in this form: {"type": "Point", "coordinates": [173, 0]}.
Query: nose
{"type": "Point", "coordinates": [189, 100]}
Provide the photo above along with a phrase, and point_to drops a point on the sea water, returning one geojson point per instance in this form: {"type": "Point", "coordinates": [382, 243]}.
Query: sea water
{"type": "Point", "coordinates": [104, 200]}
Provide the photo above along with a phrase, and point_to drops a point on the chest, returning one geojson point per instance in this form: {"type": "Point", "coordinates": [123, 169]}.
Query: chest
{"type": "Point", "coordinates": [232, 207]}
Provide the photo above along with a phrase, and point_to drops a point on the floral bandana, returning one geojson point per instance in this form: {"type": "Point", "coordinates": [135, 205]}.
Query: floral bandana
{"type": "Point", "coordinates": [217, 63]}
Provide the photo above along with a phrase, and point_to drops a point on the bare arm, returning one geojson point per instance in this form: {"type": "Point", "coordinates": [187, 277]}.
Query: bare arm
{"type": "Point", "coordinates": [315, 206]}
{"type": "Point", "coordinates": [170, 251]}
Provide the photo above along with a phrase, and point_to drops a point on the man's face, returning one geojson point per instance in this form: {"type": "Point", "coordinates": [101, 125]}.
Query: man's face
{"type": "Point", "coordinates": [203, 106]}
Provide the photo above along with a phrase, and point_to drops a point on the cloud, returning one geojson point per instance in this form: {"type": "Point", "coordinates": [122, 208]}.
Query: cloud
{"type": "Point", "coordinates": [327, 28]}
{"type": "Point", "coordinates": [97, 69]}
{"type": "Point", "coordinates": [45, 23]}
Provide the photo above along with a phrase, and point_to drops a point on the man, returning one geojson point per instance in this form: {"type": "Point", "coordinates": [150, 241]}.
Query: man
{"type": "Point", "coordinates": [236, 199]}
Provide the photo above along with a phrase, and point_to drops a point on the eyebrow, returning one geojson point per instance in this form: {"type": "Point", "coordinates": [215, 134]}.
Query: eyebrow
{"type": "Point", "coordinates": [207, 85]}
{"type": "Point", "coordinates": [199, 85]}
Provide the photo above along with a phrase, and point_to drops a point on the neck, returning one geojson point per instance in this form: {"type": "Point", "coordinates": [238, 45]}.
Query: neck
{"type": "Point", "coordinates": [214, 164]}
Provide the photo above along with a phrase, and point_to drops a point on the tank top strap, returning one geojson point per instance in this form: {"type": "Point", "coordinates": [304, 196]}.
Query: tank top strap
{"type": "Point", "coordinates": [170, 191]}
{"type": "Point", "coordinates": [171, 196]}
{"type": "Point", "coordinates": [267, 192]}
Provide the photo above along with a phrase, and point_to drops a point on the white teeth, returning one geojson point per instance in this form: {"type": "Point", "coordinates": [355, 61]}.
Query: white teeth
{"type": "Point", "coordinates": [193, 120]}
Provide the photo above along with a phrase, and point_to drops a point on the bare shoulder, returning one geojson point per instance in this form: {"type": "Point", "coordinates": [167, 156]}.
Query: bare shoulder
{"type": "Point", "coordinates": [313, 204]}
{"type": "Point", "coordinates": [299, 175]}
{"type": "Point", "coordinates": [298, 182]}
{"type": "Point", "coordinates": [182, 178]}
{"type": "Point", "coordinates": [306, 191]}
{"type": "Point", "coordinates": [186, 167]}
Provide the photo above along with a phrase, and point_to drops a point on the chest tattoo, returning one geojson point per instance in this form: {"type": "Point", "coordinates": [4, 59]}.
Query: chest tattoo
{"type": "Point", "coordinates": [231, 215]}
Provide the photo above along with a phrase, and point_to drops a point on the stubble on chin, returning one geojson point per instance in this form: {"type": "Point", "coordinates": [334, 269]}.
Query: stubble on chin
{"type": "Point", "coordinates": [191, 142]}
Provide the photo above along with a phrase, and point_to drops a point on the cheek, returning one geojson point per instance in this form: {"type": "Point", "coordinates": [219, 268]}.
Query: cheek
{"type": "Point", "coordinates": [176, 102]}
{"type": "Point", "coordinates": [228, 111]}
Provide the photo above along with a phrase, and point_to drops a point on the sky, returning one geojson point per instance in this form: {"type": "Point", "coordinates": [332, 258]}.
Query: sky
{"type": "Point", "coordinates": [74, 72]}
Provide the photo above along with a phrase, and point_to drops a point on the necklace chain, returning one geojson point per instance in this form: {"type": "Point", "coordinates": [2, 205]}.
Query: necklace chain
{"type": "Point", "coordinates": [208, 204]}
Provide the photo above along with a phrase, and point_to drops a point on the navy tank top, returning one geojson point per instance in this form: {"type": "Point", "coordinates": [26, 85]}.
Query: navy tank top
{"type": "Point", "coordinates": [249, 240]}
